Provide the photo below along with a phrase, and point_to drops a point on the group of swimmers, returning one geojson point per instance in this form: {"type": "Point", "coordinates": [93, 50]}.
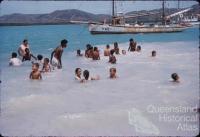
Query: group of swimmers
{"type": "Point", "coordinates": [56, 62]}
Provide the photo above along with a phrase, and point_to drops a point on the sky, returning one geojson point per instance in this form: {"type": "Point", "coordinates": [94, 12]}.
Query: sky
{"type": "Point", "coordinates": [96, 7]}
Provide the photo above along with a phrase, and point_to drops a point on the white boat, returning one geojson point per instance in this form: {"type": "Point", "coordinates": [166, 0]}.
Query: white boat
{"type": "Point", "coordinates": [119, 26]}
{"type": "Point", "coordinates": [110, 29]}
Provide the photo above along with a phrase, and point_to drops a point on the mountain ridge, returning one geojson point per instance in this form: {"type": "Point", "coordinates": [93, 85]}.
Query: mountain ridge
{"type": "Point", "coordinates": [68, 15]}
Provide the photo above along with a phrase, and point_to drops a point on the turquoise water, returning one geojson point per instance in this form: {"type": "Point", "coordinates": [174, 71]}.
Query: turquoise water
{"type": "Point", "coordinates": [43, 38]}
{"type": "Point", "coordinates": [60, 106]}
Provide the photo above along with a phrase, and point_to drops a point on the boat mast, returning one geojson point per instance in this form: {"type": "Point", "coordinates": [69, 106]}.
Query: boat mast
{"type": "Point", "coordinates": [113, 8]}
{"type": "Point", "coordinates": [163, 12]}
{"type": "Point", "coordinates": [113, 12]}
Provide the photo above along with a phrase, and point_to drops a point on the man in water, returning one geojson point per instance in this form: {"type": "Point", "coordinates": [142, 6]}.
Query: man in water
{"type": "Point", "coordinates": [107, 51]}
{"type": "Point", "coordinates": [23, 46]}
{"type": "Point", "coordinates": [57, 54]}
{"type": "Point", "coordinates": [132, 45]}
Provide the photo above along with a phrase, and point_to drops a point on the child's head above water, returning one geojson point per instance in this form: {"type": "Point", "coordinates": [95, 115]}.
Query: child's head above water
{"type": "Point", "coordinates": [113, 72]}
{"type": "Point", "coordinates": [35, 66]}
{"type": "Point", "coordinates": [46, 60]}
{"type": "Point", "coordinates": [78, 71]}
{"type": "Point", "coordinates": [14, 55]}
{"type": "Point", "coordinates": [124, 52]}
{"type": "Point", "coordinates": [78, 52]}
{"type": "Point", "coordinates": [86, 74]}
{"type": "Point", "coordinates": [153, 53]}
{"type": "Point", "coordinates": [39, 57]}
{"type": "Point", "coordinates": [175, 77]}
{"type": "Point", "coordinates": [138, 48]}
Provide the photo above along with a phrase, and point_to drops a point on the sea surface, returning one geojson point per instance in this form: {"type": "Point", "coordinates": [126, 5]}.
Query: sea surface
{"type": "Point", "coordinates": [140, 102]}
{"type": "Point", "coordinates": [42, 38]}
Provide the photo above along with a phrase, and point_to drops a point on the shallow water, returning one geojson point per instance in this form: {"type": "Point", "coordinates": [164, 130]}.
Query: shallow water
{"type": "Point", "coordinates": [58, 105]}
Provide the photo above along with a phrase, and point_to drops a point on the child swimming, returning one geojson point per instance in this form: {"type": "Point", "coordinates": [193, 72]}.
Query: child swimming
{"type": "Point", "coordinates": [113, 72]}
{"type": "Point", "coordinates": [28, 56]}
{"type": "Point", "coordinates": [79, 53]}
{"type": "Point", "coordinates": [96, 55]}
{"type": "Point", "coordinates": [153, 53]}
{"type": "Point", "coordinates": [107, 51]}
{"type": "Point", "coordinates": [124, 52]}
{"type": "Point", "coordinates": [112, 58]}
{"type": "Point", "coordinates": [175, 77]}
{"type": "Point", "coordinates": [86, 75]}
{"type": "Point", "coordinates": [138, 48]}
{"type": "Point", "coordinates": [46, 65]}
{"type": "Point", "coordinates": [14, 61]}
{"type": "Point", "coordinates": [78, 73]}
{"type": "Point", "coordinates": [35, 74]}
{"type": "Point", "coordinates": [40, 59]}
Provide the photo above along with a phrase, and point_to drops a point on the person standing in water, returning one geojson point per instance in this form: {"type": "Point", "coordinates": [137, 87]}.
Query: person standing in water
{"type": "Point", "coordinates": [107, 51]}
{"type": "Point", "coordinates": [132, 45]}
{"type": "Point", "coordinates": [57, 54]}
{"type": "Point", "coordinates": [96, 54]}
{"type": "Point", "coordinates": [23, 46]}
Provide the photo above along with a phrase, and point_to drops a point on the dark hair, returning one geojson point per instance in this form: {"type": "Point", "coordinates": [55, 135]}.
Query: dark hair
{"type": "Point", "coordinates": [86, 74]}
{"type": "Point", "coordinates": [115, 44]}
{"type": "Point", "coordinates": [91, 48]}
{"type": "Point", "coordinates": [108, 46]}
{"type": "Point", "coordinates": [131, 39]}
{"type": "Point", "coordinates": [88, 46]}
{"type": "Point", "coordinates": [139, 47]}
{"type": "Point", "coordinates": [39, 57]}
{"type": "Point", "coordinates": [37, 65]}
{"type": "Point", "coordinates": [95, 49]}
{"type": "Point", "coordinates": [64, 41]}
{"type": "Point", "coordinates": [26, 50]}
{"type": "Point", "coordinates": [14, 55]}
{"type": "Point", "coordinates": [174, 76]}
{"type": "Point", "coordinates": [114, 69]}
{"type": "Point", "coordinates": [46, 59]}
{"type": "Point", "coordinates": [76, 70]}
{"type": "Point", "coordinates": [153, 52]}
{"type": "Point", "coordinates": [112, 51]}
{"type": "Point", "coordinates": [78, 51]}
{"type": "Point", "coordinates": [25, 40]}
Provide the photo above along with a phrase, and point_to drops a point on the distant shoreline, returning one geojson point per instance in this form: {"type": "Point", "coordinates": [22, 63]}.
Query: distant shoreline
{"type": "Point", "coordinates": [33, 24]}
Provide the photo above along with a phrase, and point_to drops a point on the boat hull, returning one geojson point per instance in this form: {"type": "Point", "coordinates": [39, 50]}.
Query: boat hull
{"type": "Point", "coordinates": [108, 29]}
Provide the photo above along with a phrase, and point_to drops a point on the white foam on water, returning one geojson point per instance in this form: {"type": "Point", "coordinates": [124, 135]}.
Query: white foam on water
{"type": "Point", "coordinates": [58, 105]}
